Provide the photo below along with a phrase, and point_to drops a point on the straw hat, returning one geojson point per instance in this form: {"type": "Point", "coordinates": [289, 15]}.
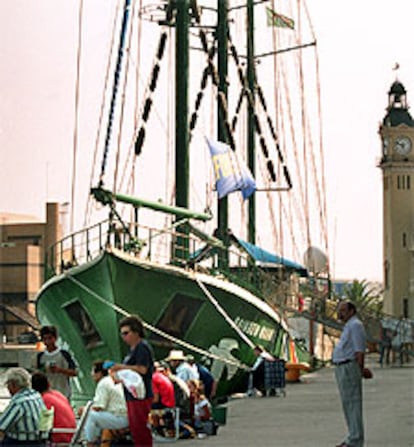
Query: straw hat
{"type": "Point", "coordinates": [175, 355]}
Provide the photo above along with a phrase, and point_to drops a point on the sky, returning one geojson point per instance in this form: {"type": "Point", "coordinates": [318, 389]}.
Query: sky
{"type": "Point", "coordinates": [359, 43]}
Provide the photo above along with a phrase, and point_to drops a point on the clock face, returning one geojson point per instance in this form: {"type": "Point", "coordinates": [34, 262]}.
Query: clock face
{"type": "Point", "coordinates": [402, 145]}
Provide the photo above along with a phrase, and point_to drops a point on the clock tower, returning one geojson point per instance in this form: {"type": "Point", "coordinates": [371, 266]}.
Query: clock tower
{"type": "Point", "coordinates": [397, 165]}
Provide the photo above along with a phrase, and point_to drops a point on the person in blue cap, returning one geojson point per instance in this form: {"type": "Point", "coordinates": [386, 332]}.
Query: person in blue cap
{"type": "Point", "coordinates": [109, 409]}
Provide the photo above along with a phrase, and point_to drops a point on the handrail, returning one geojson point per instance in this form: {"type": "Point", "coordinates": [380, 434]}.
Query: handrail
{"type": "Point", "coordinates": [153, 244]}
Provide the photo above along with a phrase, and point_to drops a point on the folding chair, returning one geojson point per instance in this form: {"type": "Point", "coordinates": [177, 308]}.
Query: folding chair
{"type": "Point", "coordinates": [46, 421]}
{"type": "Point", "coordinates": [81, 424]}
{"type": "Point", "coordinates": [76, 432]}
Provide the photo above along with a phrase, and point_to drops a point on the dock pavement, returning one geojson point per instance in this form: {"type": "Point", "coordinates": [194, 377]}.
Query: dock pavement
{"type": "Point", "coordinates": [311, 415]}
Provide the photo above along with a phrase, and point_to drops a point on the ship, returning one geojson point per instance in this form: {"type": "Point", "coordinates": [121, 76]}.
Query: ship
{"type": "Point", "coordinates": [213, 280]}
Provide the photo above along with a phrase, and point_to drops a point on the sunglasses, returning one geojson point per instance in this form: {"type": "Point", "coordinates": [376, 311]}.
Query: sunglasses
{"type": "Point", "coordinates": [124, 333]}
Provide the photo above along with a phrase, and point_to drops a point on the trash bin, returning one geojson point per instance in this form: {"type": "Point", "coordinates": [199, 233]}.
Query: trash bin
{"type": "Point", "coordinates": [220, 415]}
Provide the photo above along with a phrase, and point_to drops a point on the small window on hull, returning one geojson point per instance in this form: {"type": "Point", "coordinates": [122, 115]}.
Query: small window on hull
{"type": "Point", "coordinates": [177, 317]}
{"type": "Point", "coordinates": [84, 324]}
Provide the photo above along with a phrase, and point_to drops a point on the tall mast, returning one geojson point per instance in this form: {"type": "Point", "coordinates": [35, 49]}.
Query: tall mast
{"type": "Point", "coordinates": [222, 31]}
{"type": "Point", "coordinates": [181, 118]}
{"type": "Point", "coordinates": [251, 230]}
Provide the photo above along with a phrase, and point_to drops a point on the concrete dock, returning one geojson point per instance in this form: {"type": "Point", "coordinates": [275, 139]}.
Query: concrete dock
{"type": "Point", "coordinates": [311, 415]}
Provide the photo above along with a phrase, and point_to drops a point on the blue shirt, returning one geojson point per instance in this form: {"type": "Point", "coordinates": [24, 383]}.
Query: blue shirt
{"type": "Point", "coordinates": [353, 340]}
{"type": "Point", "coordinates": [20, 419]}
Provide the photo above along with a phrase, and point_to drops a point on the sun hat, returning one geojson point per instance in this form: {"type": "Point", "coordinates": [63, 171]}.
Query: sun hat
{"type": "Point", "coordinates": [175, 354]}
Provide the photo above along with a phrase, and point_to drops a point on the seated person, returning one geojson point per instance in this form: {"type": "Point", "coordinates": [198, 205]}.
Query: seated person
{"type": "Point", "coordinates": [109, 409]}
{"type": "Point", "coordinates": [19, 423]}
{"type": "Point", "coordinates": [209, 383]}
{"type": "Point", "coordinates": [179, 365]}
{"type": "Point", "coordinates": [257, 374]}
{"type": "Point", "coordinates": [64, 417]}
{"type": "Point", "coordinates": [162, 388]}
{"type": "Point", "coordinates": [181, 391]}
{"type": "Point", "coordinates": [163, 397]}
{"type": "Point", "coordinates": [201, 405]}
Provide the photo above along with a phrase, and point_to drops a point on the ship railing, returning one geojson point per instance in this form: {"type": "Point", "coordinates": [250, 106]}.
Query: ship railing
{"type": "Point", "coordinates": [76, 248]}
{"type": "Point", "coordinates": [159, 245]}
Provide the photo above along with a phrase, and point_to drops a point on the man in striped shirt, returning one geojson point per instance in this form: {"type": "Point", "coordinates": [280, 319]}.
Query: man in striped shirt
{"type": "Point", "coordinates": [19, 423]}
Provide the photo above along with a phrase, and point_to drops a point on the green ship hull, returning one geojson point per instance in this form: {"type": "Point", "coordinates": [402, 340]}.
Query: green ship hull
{"type": "Point", "coordinates": [204, 315]}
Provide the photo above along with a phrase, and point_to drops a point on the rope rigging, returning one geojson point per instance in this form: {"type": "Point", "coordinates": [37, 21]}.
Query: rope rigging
{"type": "Point", "coordinates": [151, 89]}
{"type": "Point", "coordinates": [115, 86]}
{"type": "Point", "coordinates": [154, 329]}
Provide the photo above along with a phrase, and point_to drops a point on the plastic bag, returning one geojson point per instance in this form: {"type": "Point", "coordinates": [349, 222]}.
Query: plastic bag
{"type": "Point", "coordinates": [133, 382]}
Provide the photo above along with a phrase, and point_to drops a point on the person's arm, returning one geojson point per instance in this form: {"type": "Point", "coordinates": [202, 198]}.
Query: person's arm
{"type": "Point", "coordinates": [360, 358]}
{"type": "Point", "coordinates": [358, 340]}
{"type": "Point", "coordinates": [213, 389]}
{"type": "Point", "coordinates": [156, 397]}
{"type": "Point", "coordinates": [10, 415]}
{"type": "Point", "coordinates": [70, 371]}
{"type": "Point", "coordinates": [140, 369]}
{"type": "Point", "coordinates": [65, 371]}
{"type": "Point", "coordinates": [102, 395]}
{"type": "Point", "coordinates": [155, 391]}
{"type": "Point", "coordinates": [206, 413]}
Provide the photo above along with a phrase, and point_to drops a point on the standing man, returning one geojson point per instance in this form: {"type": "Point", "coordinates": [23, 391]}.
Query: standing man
{"type": "Point", "coordinates": [19, 423]}
{"type": "Point", "coordinates": [140, 360]}
{"type": "Point", "coordinates": [57, 363]}
{"type": "Point", "coordinates": [348, 357]}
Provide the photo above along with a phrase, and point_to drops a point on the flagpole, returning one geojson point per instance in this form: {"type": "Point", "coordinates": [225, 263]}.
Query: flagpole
{"type": "Point", "coordinates": [285, 50]}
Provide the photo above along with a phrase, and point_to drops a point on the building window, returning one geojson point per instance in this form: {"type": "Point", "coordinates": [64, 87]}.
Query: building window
{"type": "Point", "coordinates": [404, 240]}
{"type": "Point", "coordinates": [29, 240]}
{"type": "Point", "coordinates": [386, 270]}
{"type": "Point", "coordinates": [405, 307]}
{"type": "Point", "coordinates": [403, 182]}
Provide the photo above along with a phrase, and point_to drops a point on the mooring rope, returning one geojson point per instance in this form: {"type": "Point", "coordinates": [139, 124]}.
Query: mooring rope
{"type": "Point", "coordinates": [226, 316]}
{"type": "Point", "coordinates": [153, 329]}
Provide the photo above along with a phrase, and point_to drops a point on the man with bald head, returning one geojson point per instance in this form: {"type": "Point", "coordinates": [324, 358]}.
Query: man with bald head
{"type": "Point", "coordinates": [348, 357]}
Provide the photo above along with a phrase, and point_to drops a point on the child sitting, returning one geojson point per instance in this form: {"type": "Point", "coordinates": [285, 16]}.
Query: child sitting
{"type": "Point", "coordinates": [202, 416]}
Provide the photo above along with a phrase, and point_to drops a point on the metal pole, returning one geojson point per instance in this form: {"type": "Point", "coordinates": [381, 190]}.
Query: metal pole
{"type": "Point", "coordinates": [222, 31]}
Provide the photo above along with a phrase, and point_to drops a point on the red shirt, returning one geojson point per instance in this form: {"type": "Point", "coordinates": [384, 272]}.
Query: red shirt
{"type": "Point", "coordinates": [64, 416]}
{"type": "Point", "coordinates": [163, 386]}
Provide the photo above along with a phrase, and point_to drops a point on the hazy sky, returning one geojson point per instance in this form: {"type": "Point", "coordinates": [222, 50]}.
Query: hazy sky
{"type": "Point", "coordinates": [359, 42]}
